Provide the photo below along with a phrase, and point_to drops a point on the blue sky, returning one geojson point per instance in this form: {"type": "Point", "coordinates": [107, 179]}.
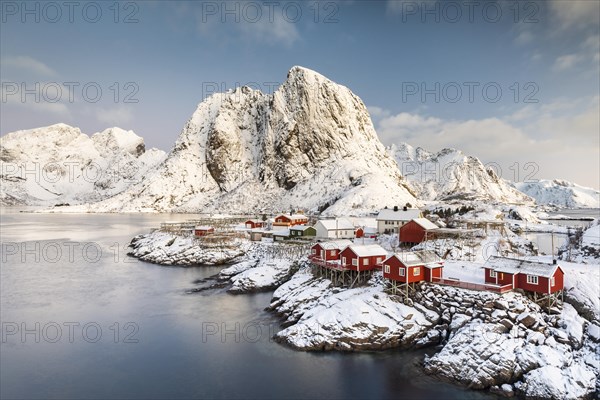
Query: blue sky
{"type": "Point", "coordinates": [430, 72]}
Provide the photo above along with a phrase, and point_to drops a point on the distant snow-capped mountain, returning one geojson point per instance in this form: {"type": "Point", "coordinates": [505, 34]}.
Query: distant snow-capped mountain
{"type": "Point", "coordinates": [309, 145]}
{"type": "Point", "coordinates": [59, 164]}
{"type": "Point", "coordinates": [560, 193]}
{"type": "Point", "coordinates": [451, 175]}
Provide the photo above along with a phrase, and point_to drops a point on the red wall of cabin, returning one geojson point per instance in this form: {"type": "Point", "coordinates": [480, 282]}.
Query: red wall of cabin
{"type": "Point", "coordinates": [411, 232]}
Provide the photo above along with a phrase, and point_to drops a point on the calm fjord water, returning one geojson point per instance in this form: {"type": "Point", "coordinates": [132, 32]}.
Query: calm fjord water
{"type": "Point", "coordinates": [109, 326]}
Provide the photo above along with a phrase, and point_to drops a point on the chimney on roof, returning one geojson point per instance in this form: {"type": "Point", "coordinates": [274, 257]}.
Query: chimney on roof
{"type": "Point", "coordinates": [395, 208]}
{"type": "Point", "coordinates": [404, 208]}
{"type": "Point", "coordinates": [554, 261]}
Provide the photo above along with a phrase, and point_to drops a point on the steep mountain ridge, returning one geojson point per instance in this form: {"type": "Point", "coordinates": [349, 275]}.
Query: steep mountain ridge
{"type": "Point", "coordinates": [60, 164]}
{"type": "Point", "coordinates": [451, 175]}
{"type": "Point", "coordinates": [309, 145]}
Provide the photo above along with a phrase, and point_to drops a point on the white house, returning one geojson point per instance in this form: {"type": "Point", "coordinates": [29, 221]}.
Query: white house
{"type": "Point", "coordinates": [339, 228]}
{"type": "Point", "coordinates": [390, 221]}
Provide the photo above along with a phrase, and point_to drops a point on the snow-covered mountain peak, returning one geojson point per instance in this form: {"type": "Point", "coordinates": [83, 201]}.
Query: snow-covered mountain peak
{"type": "Point", "coordinates": [60, 164]}
{"type": "Point", "coordinates": [117, 139]}
{"type": "Point", "coordinates": [559, 192]}
{"type": "Point", "coordinates": [310, 145]}
{"type": "Point", "coordinates": [450, 174]}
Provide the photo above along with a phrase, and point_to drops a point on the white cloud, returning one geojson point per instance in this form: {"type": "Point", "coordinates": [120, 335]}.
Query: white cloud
{"type": "Point", "coordinates": [259, 22]}
{"type": "Point", "coordinates": [566, 61]}
{"type": "Point", "coordinates": [561, 141]}
{"type": "Point", "coordinates": [116, 116]}
{"type": "Point", "coordinates": [28, 63]}
{"type": "Point", "coordinates": [279, 30]}
{"type": "Point", "coordinates": [524, 37]}
{"type": "Point", "coordinates": [578, 14]}
{"type": "Point", "coordinates": [378, 112]}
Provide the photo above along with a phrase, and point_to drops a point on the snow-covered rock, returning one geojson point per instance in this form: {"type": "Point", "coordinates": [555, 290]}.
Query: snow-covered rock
{"type": "Point", "coordinates": [346, 320]}
{"type": "Point", "coordinates": [451, 175]}
{"type": "Point", "coordinates": [560, 193]}
{"type": "Point", "coordinates": [169, 249]}
{"type": "Point", "coordinates": [262, 276]}
{"type": "Point", "coordinates": [58, 164]}
{"type": "Point", "coordinates": [311, 145]}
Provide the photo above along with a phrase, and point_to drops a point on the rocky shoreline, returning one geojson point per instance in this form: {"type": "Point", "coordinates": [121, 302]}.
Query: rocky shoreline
{"type": "Point", "coordinates": [485, 341]}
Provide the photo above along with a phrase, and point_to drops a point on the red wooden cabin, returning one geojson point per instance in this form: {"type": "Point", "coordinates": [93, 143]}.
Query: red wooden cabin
{"type": "Point", "coordinates": [416, 230]}
{"type": "Point", "coordinates": [413, 267]}
{"type": "Point", "coordinates": [203, 230]}
{"type": "Point", "coordinates": [290, 220]}
{"type": "Point", "coordinates": [532, 276]}
{"type": "Point", "coordinates": [328, 251]}
{"type": "Point", "coordinates": [363, 257]}
{"type": "Point", "coordinates": [254, 223]}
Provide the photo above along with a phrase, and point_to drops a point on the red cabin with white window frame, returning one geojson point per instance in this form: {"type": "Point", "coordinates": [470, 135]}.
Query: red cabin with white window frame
{"type": "Point", "coordinates": [410, 267]}
{"type": "Point", "coordinates": [363, 257]}
{"type": "Point", "coordinates": [532, 276]}
{"type": "Point", "coordinates": [328, 251]}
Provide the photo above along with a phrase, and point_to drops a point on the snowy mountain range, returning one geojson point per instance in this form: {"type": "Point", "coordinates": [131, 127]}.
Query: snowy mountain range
{"type": "Point", "coordinates": [309, 145]}
{"type": "Point", "coordinates": [560, 193]}
{"type": "Point", "coordinates": [60, 164]}
{"type": "Point", "coordinates": [451, 175]}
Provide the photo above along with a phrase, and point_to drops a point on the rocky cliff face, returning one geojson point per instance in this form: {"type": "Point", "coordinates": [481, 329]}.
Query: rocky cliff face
{"type": "Point", "coordinates": [309, 145]}
{"type": "Point", "coordinates": [60, 164]}
{"type": "Point", "coordinates": [451, 175]}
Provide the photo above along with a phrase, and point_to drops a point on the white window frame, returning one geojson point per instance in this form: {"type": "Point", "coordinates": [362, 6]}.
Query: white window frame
{"type": "Point", "coordinates": [552, 282]}
{"type": "Point", "coordinates": [332, 252]}
{"type": "Point", "coordinates": [386, 268]}
{"type": "Point", "coordinates": [493, 274]}
{"type": "Point", "coordinates": [402, 271]}
{"type": "Point", "coordinates": [355, 262]}
{"type": "Point", "coordinates": [416, 271]}
{"type": "Point", "coordinates": [365, 261]}
{"type": "Point", "coordinates": [343, 260]}
{"type": "Point", "coordinates": [313, 252]}
{"type": "Point", "coordinates": [532, 279]}
{"type": "Point", "coordinates": [379, 260]}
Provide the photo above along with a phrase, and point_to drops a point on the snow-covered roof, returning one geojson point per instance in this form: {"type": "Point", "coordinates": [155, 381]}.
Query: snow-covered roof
{"type": "Point", "coordinates": [368, 250]}
{"type": "Point", "coordinates": [425, 223]}
{"type": "Point", "coordinates": [339, 224]}
{"type": "Point", "coordinates": [427, 258]}
{"type": "Point", "coordinates": [335, 244]}
{"type": "Point", "coordinates": [281, 232]}
{"type": "Point", "coordinates": [293, 217]}
{"type": "Point", "coordinates": [515, 266]}
{"type": "Point", "coordinates": [255, 220]}
{"type": "Point", "coordinates": [203, 228]}
{"type": "Point", "coordinates": [400, 215]}
{"type": "Point", "coordinates": [300, 228]}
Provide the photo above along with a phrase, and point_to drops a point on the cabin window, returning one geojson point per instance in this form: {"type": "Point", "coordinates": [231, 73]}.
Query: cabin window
{"type": "Point", "coordinates": [332, 252]}
{"type": "Point", "coordinates": [365, 261]}
{"type": "Point", "coordinates": [344, 260]}
{"type": "Point", "coordinates": [313, 251]}
{"type": "Point", "coordinates": [416, 271]}
{"type": "Point", "coordinates": [532, 279]}
{"type": "Point", "coordinates": [493, 274]}
{"type": "Point", "coordinates": [386, 269]}
{"type": "Point", "coordinates": [402, 271]}
{"type": "Point", "coordinates": [355, 262]}
{"type": "Point", "coordinates": [379, 260]}
{"type": "Point", "coordinates": [552, 282]}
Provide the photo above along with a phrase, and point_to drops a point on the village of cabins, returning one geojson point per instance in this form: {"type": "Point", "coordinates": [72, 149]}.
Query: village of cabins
{"type": "Point", "coordinates": [340, 255]}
